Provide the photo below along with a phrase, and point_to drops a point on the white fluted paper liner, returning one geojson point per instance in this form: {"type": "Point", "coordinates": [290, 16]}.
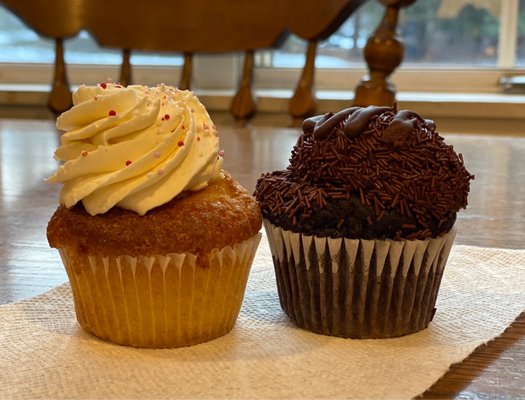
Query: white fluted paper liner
{"type": "Point", "coordinates": [160, 300]}
{"type": "Point", "coordinates": [358, 288]}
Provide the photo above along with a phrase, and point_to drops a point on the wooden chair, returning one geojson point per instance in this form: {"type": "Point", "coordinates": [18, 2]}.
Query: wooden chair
{"type": "Point", "coordinates": [214, 26]}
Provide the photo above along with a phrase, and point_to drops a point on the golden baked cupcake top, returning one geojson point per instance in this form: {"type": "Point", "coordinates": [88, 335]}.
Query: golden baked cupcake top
{"type": "Point", "coordinates": [221, 215]}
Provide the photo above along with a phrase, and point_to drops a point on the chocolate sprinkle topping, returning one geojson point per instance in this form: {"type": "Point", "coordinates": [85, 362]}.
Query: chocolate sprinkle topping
{"type": "Point", "coordinates": [367, 173]}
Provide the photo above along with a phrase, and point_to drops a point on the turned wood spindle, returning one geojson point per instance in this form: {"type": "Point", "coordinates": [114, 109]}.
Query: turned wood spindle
{"type": "Point", "coordinates": [125, 68]}
{"type": "Point", "coordinates": [383, 54]}
{"type": "Point", "coordinates": [303, 103]}
{"type": "Point", "coordinates": [187, 72]}
{"type": "Point", "coordinates": [60, 96]}
{"type": "Point", "coordinates": [243, 105]}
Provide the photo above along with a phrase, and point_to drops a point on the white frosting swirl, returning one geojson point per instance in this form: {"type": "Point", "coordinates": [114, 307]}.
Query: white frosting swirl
{"type": "Point", "coordinates": [134, 147]}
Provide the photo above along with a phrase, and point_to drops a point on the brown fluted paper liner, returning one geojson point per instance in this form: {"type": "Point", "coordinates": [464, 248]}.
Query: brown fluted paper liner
{"type": "Point", "coordinates": [161, 300]}
{"type": "Point", "coordinates": [358, 288]}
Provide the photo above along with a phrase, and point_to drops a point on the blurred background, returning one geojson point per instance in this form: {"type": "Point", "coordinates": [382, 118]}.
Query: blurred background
{"type": "Point", "coordinates": [457, 52]}
{"type": "Point", "coordinates": [448, 33]}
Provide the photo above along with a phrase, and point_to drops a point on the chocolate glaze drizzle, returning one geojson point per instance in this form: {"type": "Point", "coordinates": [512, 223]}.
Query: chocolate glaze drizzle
{"type": "Point", "coordinates": [357, 119]}
{"type": "Point", "coordinates": [371, 172]}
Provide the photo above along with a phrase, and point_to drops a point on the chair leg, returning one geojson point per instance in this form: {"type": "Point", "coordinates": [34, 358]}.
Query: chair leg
{"type": "Point", "coordinates": [60, 96]}
{"type": "Point", "coordinates": [243, 105]}
{"type": "Point", "coordinates": [187, 72]}
{"type": "Point", "coordinates": [303, 103]}
{"type": "Point", "coordinates": [125, 68]}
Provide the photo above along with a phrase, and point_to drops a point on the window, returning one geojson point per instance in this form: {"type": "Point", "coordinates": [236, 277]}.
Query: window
{"type": "Point", "coordinates": [446, 38]}
{"type": "Point", "coordinates": [453, 33]}
{"type": "Point", "coordinates": [450, 46]}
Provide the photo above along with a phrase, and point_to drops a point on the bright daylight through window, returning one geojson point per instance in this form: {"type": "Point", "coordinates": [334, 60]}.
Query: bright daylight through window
{"type": "Point", "coordinates": [442, 33]}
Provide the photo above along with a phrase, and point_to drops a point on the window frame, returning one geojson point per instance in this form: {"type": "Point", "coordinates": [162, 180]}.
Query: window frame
{"type": "Point", "coordinates": [221, 73]}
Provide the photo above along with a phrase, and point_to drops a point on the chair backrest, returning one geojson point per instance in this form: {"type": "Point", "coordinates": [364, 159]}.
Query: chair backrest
{"type": "Point", "coordinates": [204, 26]}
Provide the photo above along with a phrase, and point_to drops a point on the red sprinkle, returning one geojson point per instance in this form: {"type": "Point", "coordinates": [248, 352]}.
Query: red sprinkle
{"type": "Point", "coordinates": [83, 153]}
{"type": "Point", "coordinates": [103, 85]}
{"type": "Point", "coordinates": [181, 143]}
{"type": "Point", "coordinates": [112, 113]}
{"type": "Point", "coordinates": [128, 162]}
{"type": "Point", "coordinates": [166, 116]}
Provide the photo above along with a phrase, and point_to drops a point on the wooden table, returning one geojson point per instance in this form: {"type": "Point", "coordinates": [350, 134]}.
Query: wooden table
{"type": "Point", "coordinates": [495, 218]}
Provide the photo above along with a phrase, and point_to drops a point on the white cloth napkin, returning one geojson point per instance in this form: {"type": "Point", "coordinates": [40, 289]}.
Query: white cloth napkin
{"type": "Point", "coordinates": [44, 353]}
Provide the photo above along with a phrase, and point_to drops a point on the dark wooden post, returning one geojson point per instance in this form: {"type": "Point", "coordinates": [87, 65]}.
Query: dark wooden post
{"type": "Point", "coordinates": [60, 96]}
{"type": "Point", "coordinates": [125, 68]}
{"type": "Point", "coordinates": [303, 103]}
{"type": "Point", "coordinates": [187, 72]}
{"type": "Point", "coordinates": [383, 54]}
{"type": "Point", "coordinates": [244, 105]}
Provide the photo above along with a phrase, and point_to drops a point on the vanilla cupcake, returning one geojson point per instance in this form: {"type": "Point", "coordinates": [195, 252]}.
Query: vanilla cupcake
{"type": "Point", "coordinates": [361, 222]}
{"type": "Point", "coordinates": [157, 240]}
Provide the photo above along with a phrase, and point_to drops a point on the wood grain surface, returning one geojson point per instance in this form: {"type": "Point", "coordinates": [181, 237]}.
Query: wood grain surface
{"type": "Point", "coordinates": [495, 218]}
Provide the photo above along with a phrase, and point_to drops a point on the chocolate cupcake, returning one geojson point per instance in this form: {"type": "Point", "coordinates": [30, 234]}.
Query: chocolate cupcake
{"type": "Point", "coordinates": [360, 224]}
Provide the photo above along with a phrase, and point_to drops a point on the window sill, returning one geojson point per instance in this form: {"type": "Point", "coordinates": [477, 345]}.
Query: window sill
{"type": "Point", "coordinates": [482, 113]}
